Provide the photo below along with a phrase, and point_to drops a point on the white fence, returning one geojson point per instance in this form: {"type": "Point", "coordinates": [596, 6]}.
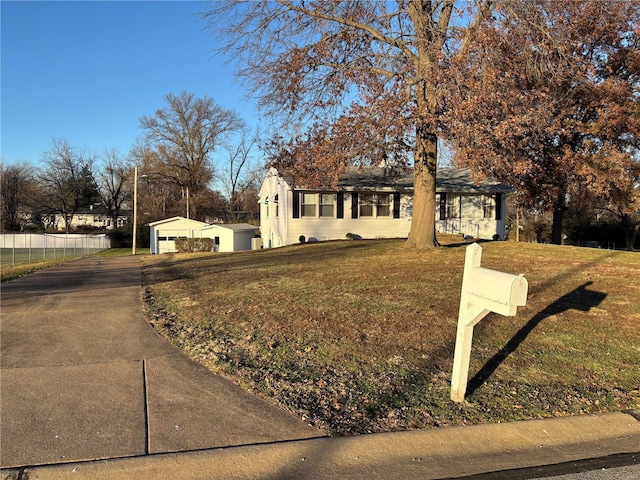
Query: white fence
{"type": "Point", "coordinates": [17, 248]}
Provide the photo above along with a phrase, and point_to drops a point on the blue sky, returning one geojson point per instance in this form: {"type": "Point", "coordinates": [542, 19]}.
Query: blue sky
{"type": "Point", "coordinates": [86, 71]}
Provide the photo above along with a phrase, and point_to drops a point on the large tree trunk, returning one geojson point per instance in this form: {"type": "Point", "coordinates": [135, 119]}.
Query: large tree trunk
{"type": "Point", "coordinates": [630, 231]}
{"type": "Point", "coordinates": [423, 222]}
{"type": "Point", "coordinates": [634, 236]}
{"type": "Point", "coordinates": [557, 232]}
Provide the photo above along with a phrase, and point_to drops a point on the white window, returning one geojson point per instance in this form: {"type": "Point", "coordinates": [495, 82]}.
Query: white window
{"type": "Point", "coordinates": [309, 204]}
{"type": "Point", "coordinates": [383, 205]}
{"type": "Point", "coordinates": [327, 202]}
{"type": "Point", "coordinates": [367, 202]}
{"type": "Point", "coordinates": [488, 206]}
{"type": "Point", "coordinates": [375, 205]}
{"type": "Point", "coordinates": [453, 206]}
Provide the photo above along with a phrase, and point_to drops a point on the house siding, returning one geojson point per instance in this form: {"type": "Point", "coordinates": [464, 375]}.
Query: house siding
{"type": "Point", "coordinates": [231, 239]}
{"type": "Point", "coordinates": [87, 218]}
{"type": "Point", "coordinates": [224, 234]}
{"type": "Point", "coordinates": [273, 228]}
{"type": "Point", "coordinates": [334, 228]}
{"type": "Point", "coordinates": [290, 224]}
{"type": "Point", "coordinates": [242, 240]}
{"type": "Point", "coordinates": [470, 219]}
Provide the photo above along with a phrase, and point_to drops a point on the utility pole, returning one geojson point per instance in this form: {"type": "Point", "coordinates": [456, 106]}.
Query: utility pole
{"type": "Point", "coordinates": [135, 208]}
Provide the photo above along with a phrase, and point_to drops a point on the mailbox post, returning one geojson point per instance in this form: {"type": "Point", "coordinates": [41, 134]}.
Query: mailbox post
{"type": "Point", "coordinates": [483, 291]}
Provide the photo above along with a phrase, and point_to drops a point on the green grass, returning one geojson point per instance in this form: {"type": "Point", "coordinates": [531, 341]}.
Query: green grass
{"type": "Point", "coordinates": [120, 252]}
{"type": "Point", "coordinates": [12, 257]}
{"type": "Point", "coordinates": [11, 273]}
{"type": "Point", "coordinates": [358, 336]}
{"type": "Point", "coordinates": [31, 263]}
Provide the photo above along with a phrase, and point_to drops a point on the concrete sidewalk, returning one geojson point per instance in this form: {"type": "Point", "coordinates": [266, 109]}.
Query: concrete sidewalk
{"type": "Point", "coordinates": [89, 390]}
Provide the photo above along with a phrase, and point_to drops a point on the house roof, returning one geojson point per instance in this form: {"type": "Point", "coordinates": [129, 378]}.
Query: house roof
{"type": "Point", "coordinates": [374, 178]}
{"type": "Point", "coordinates": [447, 180]}
{"type": "Point", "coordinates": [98, 210]}
{"type": "Point", "coordinates": [236, 227]}
{"type": "Point", "coordinates": [174, 219]}
{"type": "Point", "coordinates": [461, 180]}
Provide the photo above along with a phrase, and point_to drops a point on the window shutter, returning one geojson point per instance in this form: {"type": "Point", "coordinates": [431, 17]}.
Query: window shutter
{"type": "Point", "coordinates": [498, 206]}
{"type": "Point", "coordinates": [354, 205]}
{"type": "Point", "coordinates": [443, 206]}
{"type": "Point", "coordinates": [296, 204]}
{"type": "Point", "coordinates": [340, 205]}
{"type": "Point", "coordinates": [396, 205]}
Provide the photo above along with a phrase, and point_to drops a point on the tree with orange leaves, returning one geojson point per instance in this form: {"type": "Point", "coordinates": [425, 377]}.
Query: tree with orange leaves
{"type": "Point", "coordinates": [547, 99]}
{"type": "Point", "coordinates": [360, 72]}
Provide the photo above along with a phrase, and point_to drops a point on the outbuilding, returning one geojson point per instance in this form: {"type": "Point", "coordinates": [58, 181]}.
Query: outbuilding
{"type": "Point", "coordinates": [229, 237]}
{"type": "Point", "coordinates": [164, 232]}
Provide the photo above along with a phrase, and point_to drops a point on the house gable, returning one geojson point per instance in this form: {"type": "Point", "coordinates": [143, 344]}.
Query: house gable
{"type": "Point", "coordinates": [177, 222]}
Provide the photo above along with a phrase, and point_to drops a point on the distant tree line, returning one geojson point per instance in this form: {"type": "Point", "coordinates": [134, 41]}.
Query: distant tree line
{"type": "Point", "coordinates": [543, 95]}
{"type": "Point", "coordinates": [194, 159]}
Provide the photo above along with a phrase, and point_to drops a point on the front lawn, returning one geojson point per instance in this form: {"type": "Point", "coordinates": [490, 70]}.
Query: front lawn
{"type": "Point", "coordinates": [358, 336]}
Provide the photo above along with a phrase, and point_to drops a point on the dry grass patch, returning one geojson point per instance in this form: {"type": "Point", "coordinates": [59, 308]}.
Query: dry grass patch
{"type": "Point", "coordinates": [358, 336]}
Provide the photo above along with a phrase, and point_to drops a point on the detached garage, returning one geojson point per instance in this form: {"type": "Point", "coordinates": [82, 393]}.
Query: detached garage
{"type": "Point", "coordinates": [229, 237]}
{"type": "Point", "coordinates": [164, 232]}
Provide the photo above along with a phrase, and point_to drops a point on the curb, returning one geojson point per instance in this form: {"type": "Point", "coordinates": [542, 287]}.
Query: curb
{"type": "Point", "coordinates": [426, 454]}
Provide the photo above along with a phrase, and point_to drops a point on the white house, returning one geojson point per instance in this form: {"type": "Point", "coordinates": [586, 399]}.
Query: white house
{"type": "Point", "coordinates": [229, 237]}
{"type": "Point", "coordinates": [92, 216]}
{"type": "Point", "coordinates": [164, 232]}
{"type": "Point", "coordinates": [370, 203]}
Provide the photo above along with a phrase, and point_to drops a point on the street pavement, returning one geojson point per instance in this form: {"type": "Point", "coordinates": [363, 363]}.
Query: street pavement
{"type": "Point", "coordinates": [629, 472]}
{"type": "Point", "coordinates": [89, 390]}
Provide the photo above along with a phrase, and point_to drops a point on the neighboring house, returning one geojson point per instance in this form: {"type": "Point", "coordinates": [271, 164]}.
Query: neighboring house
{"type": "Point", "coordinates": [164, 232]}
{"type": "Point", "coordinates": [229, 237]}
{"type": "Point", "coordinates": [92, 217]}
{"type": "Point", "coordinates": [370, 203]}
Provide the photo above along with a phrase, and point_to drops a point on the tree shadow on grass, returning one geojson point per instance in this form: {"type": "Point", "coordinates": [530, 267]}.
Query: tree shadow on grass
{"type": "Point", "coordinates": [578, 299]}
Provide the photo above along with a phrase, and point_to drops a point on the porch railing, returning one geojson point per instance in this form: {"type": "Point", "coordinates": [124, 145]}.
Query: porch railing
{"type": "Point", "coordinates": [456, 225]}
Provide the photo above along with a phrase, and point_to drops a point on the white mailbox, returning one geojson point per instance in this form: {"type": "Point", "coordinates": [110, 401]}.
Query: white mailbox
{"type": "Point", "coordinates": [498, 291]}
{"type": "Point", "coordinates": [483, 291]}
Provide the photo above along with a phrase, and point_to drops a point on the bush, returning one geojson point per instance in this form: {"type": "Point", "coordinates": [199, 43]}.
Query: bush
{"type": "Point", "coordinates": [184, 245]}
{"type": "Point", "coordinates": [122, 237]}
{"type": "Point", "coordinates": [536, 230]}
